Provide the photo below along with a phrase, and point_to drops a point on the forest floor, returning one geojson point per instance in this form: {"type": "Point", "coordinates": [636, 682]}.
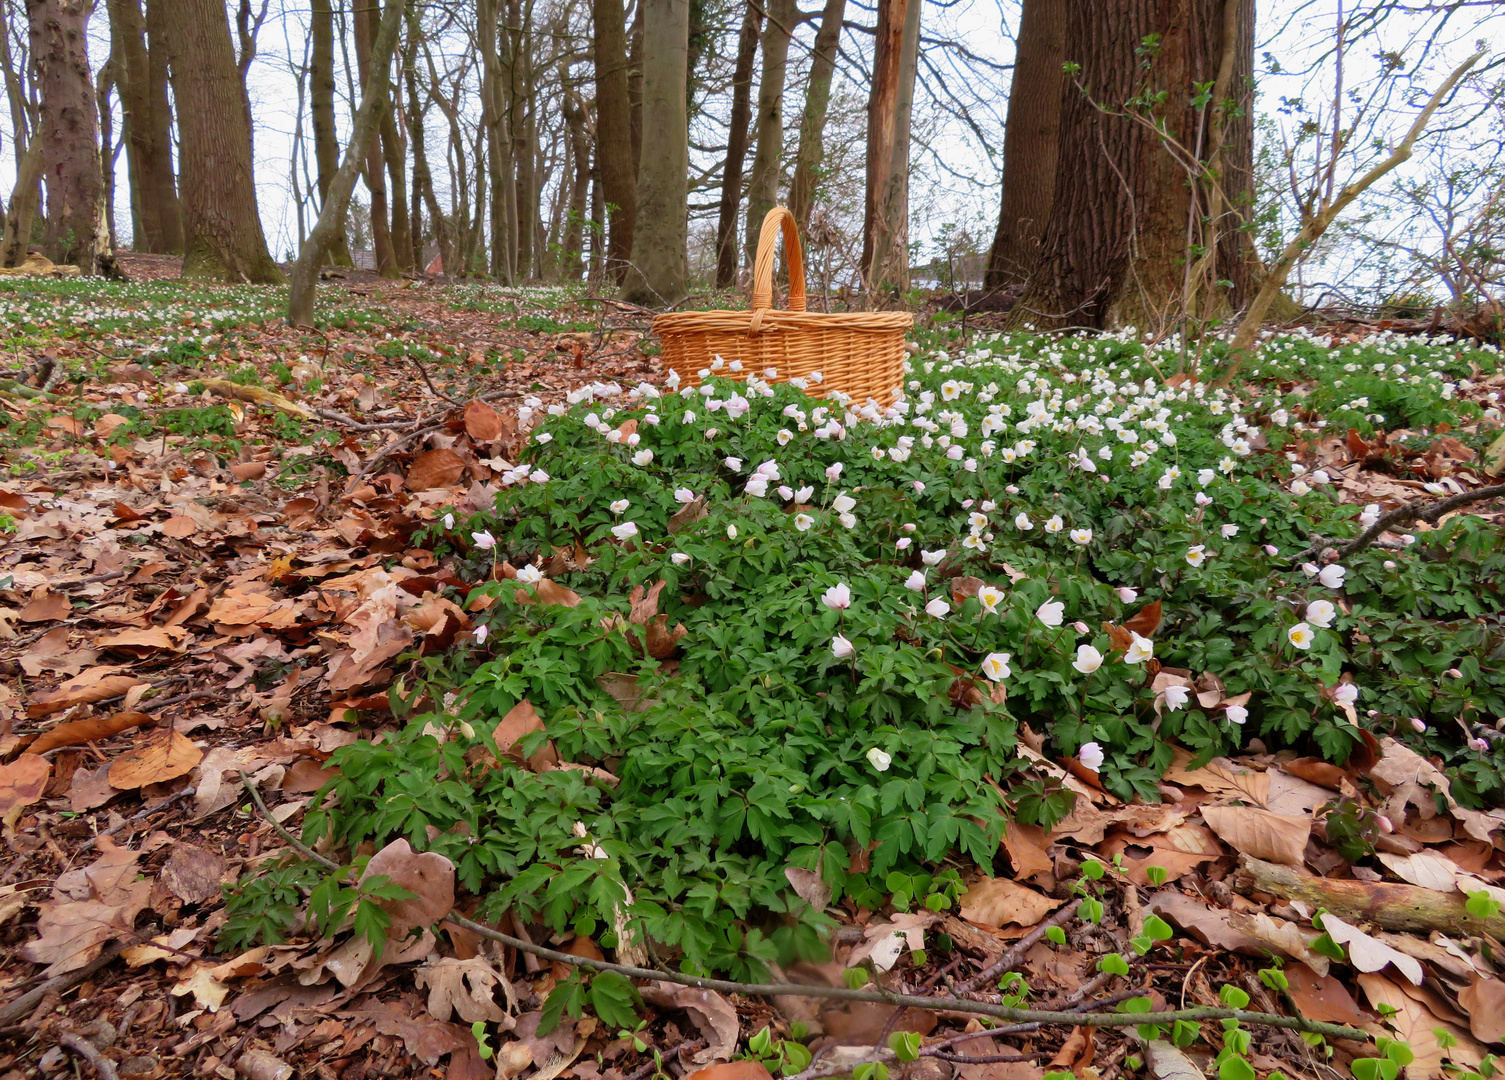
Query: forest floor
{"type": "Point", "coordinates": [207, 513]}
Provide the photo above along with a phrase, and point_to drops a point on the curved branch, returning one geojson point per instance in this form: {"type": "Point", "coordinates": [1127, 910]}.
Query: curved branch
{"type": "Point", "coordinates": [1416, 510]}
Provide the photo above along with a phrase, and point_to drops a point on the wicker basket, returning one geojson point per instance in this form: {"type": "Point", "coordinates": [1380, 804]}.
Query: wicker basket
{"type": "Point", "coordinates": [861, 354]}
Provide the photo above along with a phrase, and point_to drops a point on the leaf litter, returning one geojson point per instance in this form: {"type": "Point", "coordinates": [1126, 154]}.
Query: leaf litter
{"type": "Point", "coordinates": [176, 621]}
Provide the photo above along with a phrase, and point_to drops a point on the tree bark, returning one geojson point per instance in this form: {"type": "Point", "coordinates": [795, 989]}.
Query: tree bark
{"type": "Point", "coordinates": [883, 103]}
{"type": "Point", "coordinates": [326, 136]}
{"type": "Point", "coordinates": [375, 167]}
{"type": "Point", "coordinates": [727, 251]}
{"type": "Point", "coordinates": [395, 156]}
{"type": "Point", "coordinates": [635, 83]}
{"type": "Point", "coordinates": [304, 279]}
{"type": "Point", "coordinates": [763, 186]}
{"type": "Point", "coordinates": [656, 276]}
{"type": "Point", "coordinates": [572, 245]}
{"type": "Point", "coordinates": [68, 129]}
{"type": "Point", "coordinates": [169, 206]}
{"type": "Point", "coordinates": [618, 172]}
{"type": "Point", "coordinates": [1130, 200]}
{"type": "Point", "coordinates": [807, 158]}
{"type": "Point", "coordinates": [423, 176]}
{"type": "Point", "coordinates": [222, 229]}
{"type": "Point", "coordinates": [156, 218]}
{"type": "Point", "coordinates": [1029, 144]}
{"type": "Point", "coordinates": [24, 203]}
{"type": "Point", "coordinates": [524, 139]}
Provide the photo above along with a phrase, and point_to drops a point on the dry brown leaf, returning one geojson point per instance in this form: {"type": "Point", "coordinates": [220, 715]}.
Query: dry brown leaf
{"type": "Point", "coordinates": [1025, 845]}
{"type": "Point", "coordinates": [732, 1070]}
{"type": "Point", "coordinates": [71, 932]}
{"type": "Point", "coordinates": [1424, 868]}
{"type": "Point", "coordinates": [428, 874]}
{"type": "Point", "coordinates": [466, 988]}
{"type": "Point", "coordinates": [1293, 940]}
{"type": "Point", "coordinates": [306, 775]}
{"type": "Point", "coordinates": [1414, 1023]}
{"type": "Point", "coordinates": [1077, 1051]}
{"type": "Point", "coordinates": [1272, 837]}
{"type": "Point", "coordinates": [208, 992]}
{"type": "Point", "coordinates": [688, 514]}
{"type": "Point", "coordinates": [1322, 997]}
{"type": "Point", "coordinates": [89, 729]}
{"type": "Point", "coordinates": [192, 874]}
{"type": "Point", "coordinates": [809, 887]}
{"type": "Point", "coordinates": [51, 652]}
{"type": "Point", "coordinates": [1316, 771]}
{"type": "Point", "coordinates": [144, 642]}
{"type": "Point", "coordinates": [45, 606]}
{"type": "Point", "coordinates": [1166, 1062]}
{"type": "Point", "coordinates": [160, 760]}
{"type": "Point", "coordinates": [549, 591]}
{"type": "Point", "coordinates": [435, 469]}
{"type": "Point", "coordinates": [92, 685]}
{"type": "Point", "coordinates": [999, 902]}
{"type": "Point", "coordinates": [521, 719]}
{"type": "Point", "coordinates": [90, 789]}
{"type": "Point", "coordinates": [712, 1013]}
{"type": "Point", "coordinates": [1366, 953]}
{"type": "Point", "coordinates": [1220, 777]}
{"type": "Point", "coordinates": [1208, 925]}
{"type": "Point", "coordinates": [1484, 1002]}
{"type": "Point", "coordinates": [482, 423]}
{"type": "Point", "coordinates": [21, 784]}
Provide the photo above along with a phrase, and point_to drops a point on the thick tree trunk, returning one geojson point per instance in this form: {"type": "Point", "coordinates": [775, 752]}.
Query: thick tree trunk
{"type": "Point", "coordinates": [169, 207]}
{"type": "Point", "coordinates": [1129, 203]}
{"type": "Point", "coordinates": [303, 283]}
{"type": "Point", "coordinates": [68, 129]}
{"type": "Point", "coordinates": [618, 173]}
{"type": "Point", "coordinates": [156, 221]}
{"type": "Point", "coordinates": [1029, 143]}
{"type": "Point", "coordinates": [635, 83]}
{"type": "Point", "coordinates": [727, 251]}
{"type": "Point", "coordinates": [763, 186]}
{"type": "Point", "coordinates": [883, 103]}
{"type": "Point", "coordinates": [24, 204]}
{"type": "Point", "coordinates": [395, 156]}
{"type": "Point", "coordinates": [525, 154]}
{"type": "Point", "coordinates": [886, 240]}
{"type": "Point", "coordinates": [572, 244]}
{"type": "Point", "coordinates": [657, 275]}
{"type": "Point", "coordinates": [807, 158]}
{"type": "Point", "coordinates": [326, 137]}
{"type": "Point", "coordinates": [382, 251]}
{"type": "Point", "coordinates": [423, 176]}
{"type": "Point", "coordinates": [222, 229]}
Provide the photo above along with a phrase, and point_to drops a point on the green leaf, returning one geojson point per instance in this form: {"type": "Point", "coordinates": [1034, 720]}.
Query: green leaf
{"type": "Point", "coordinates": [1156, 875]}
{"type": "Point", "coordinates": [1113, 964]}
{"type": "Point", "coordinates": [1233, 997]}
{"type": "Point", "coordinates": [1158, 928]}
{"type": "Point", "coordinates": [1056, 935]}
{"type": "Point", "coordinates": [614, 999]}
{"type": "Point", "coordinates": [905, 1045]}
{"type": "Point", "coordinates": [1233, 1067]}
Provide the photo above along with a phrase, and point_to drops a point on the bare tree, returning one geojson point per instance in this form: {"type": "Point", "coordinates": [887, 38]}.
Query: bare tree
{"type": "Point", "coordinates": [656, 276]}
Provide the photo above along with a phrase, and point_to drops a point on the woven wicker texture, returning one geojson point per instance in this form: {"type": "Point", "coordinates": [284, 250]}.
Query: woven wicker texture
{"type": "Point", "coordinates": [861, 353]}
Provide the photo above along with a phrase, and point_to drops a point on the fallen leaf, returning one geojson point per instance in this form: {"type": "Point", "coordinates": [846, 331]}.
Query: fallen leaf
{"type": "Point", "coordinates": [1273, 837]}
{"type": "Point", "coordinates": [482, 423]}
{"type": "Point", "coordinates": [712, 1013]}
{"type": "Point", "coordinates": [192, 874]}
{"type": "Point", "coordinates": [90, 789]}
{"type": "Point", "coordinates": [548, 591]}
{"type": "Point", "coordinates": [732, 1070]}
{"type": "Point", "coordinates": [144, 642]}
{"type": "Point", "coordinates": [435, 469]}
{"type": "Point", "coordinates": [1077, 1051]}
{"type": "Point", "coordinates": [1209, 925]}
{"type": "Point", "coordinates": [465, 988]}
{"type": "Point", "coordinates": [1416, 1024]}
{"type": "Point", "coordinates": [71, 932]}
{"type": "Point", "coordinates": [89, 729]}
{"type": "Point", "coordinates": [160, 760]}
{"type": "Point", "coordinates": [809, 887]}
{"type": "Point", "coordinates": [1025, 845]}
{"type": "Point", "coordinates": [1484, 1002]}
{"type": "Point", "coordinates": [999, 902]}
{"type": "Point", "coordinates": [95, 684]}
{"type": "Point", "coordinates": [307, 775]}
{"type": "Point", "coordinates": [21, 784]}
{"type": "Point", "coordinates": [51, 652]}
{"type": "Point", "coordinates": [1322, 997]}
{"type": "Point", "coordinates": [208, 992]}
{"type": "Point", "coordinates": [1368, 954]}
{"type": "Point", "coordinates": [45, 606]}
{"type": "Point", "coordinates": [429, 875]}
{"type": "Point", "coordinates": [1166, 1062]}
{"type": "Point", "coordinates": [521, 719]}
{"type": "Point", "coordinates": [1424, 868]}
{"type": "Point", "coordinates": [1220, 777]}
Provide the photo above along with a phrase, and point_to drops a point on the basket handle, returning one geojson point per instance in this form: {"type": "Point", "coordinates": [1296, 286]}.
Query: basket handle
{"type": "Point", "coordinates": [762, 297]}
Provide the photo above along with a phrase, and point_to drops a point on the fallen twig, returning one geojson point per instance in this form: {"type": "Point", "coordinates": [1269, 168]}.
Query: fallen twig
{"type": "Point", "coordinates": [28, 1001]}
{"type": "Point", "coordinates": [1416, 510]}
{"type": "Point", "coordinates": [104, 1068]}
{"type": "Point", "coordinates": [882, 997]}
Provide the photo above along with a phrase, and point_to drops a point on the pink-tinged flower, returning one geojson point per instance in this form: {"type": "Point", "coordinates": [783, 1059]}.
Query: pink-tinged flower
{"type": "Point", "coordinates": [838, 597]}
{"type": "Point", "coordinates": [937, 609]}
{"type": "Point", "coordinates": [1176, 698]}
{"type": "Point", "coordinates": [538, 476]}
{"type": "Point", "coordinates": [1088, 659]}
{"type": "Point", "coordinates": [841, 648]}
{"type": "Point", "coordinates": [1271, 550]}
{"type": "Point", "coordinates": [932, 558]}
{"type": "Point", "coordinates": [1417, 725]}
{"type": "Point", "coordinates": [786, 492]}
{"type": "Point", "coordinates": [1309, 569]}
{"type": "Point", "coordinates": [902, 543]}
{"type": "Point", "coordinates": [1091, 756]}
{"type": "Point", "coordinates": [833, 472]}
{"type": "Point", "coordinates": [1126, 594]}
{"type": "Point", "coordinates": [996, 666]}
{"type": "Point", "coordinates": [1229, 531]}
{"type": "Point", "coordinates": [1479, 746]}
{"type": "Point", "coordinates": [919, 487]}
{"type": "Point", "coordinates": [625, 531]}
{"type": "Point", "coordinates": [733, 463]}
{"type": "Point", "coordinates": [802, 522]}
{"type": "Point", "coordinates": [915, 582]}
{"type": "Point", "coordinates": [1081, 627]}
{"type": "Point", "coordinates": [804, 494]}
{"type": "Point", "coordinates": [1346, 693]}
{"type": "Point", "coordinates": [1321, 613]}
{"type": "Point", "coordinates": [684, 496]}
{"type": "Point", "coordinates": [484, 540]}
{"type": "Point", "coordinates": [1453, 673]}
{"type": "Point", "coordinates": [1140, 649]}
{"type": "Point", "coordinates": [1236, 714]}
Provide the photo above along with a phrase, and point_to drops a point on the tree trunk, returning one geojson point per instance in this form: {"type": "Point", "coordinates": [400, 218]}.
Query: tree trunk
{"type": "Point", "coordinates": [68, 129]}
{"type": "Point", "coordinates": [326, 136]}
{"type": "Point", "coordinates": [109, 149]}
{"type": "Point", "coordinates": [1131, 205]}
{"type": "Point", "coordinates": [727, 260]}
{"type": "Point", "coordinates": [423, 176]}
{"type": "Point", "coordinates": [891, 232]}
{"type": "Point", "coordinates": [24, 203]}
{"type": "Point", "coordinates": [883, 103]}
{"type": "Point", "coordinates": [656, 277]}
{"type": "Point", "coordinates": [156, 220]}
{"type": "Point", "coordinates": [223, 238]}
{"type": "Point", "coordinates": [305, 274]}
{"type": "Point", "coordinates": [572, 244]}
{"type": "Point", "coordinates": [1029, 143]}
{"type": "Point", "coordinates": [395, 155]}
{"type": "Point", "coordinates": [597, 269]}
{"type": "Point", "coordinates": [618, 173]}
{"type": "Point", "coordinates": [807, 158]}
{"type": "Point", "coordinates": [169, 207]}
{"type": "Point", "coordinates": [524, 140]}
{"type": "Point", "coordinates": [635, 83]}
{"type": "Point", "coordinates": [763, 187]}
{"type": "Point", "coordinates": [375, 167]}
